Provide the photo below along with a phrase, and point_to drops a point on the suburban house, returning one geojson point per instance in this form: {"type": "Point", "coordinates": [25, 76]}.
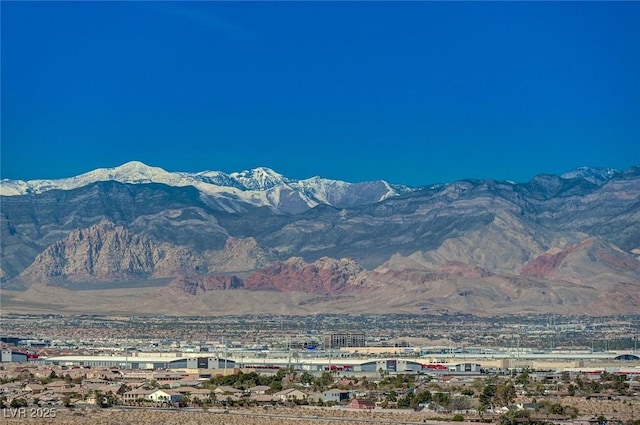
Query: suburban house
{"type": "Point", "coordinates": [345, 382]}
{"type": "Point", "coordinates": [118, 389]}
{"type": "Point", "coordinates": [361, 403]}
{"type": "Point", "coordinates": [290, 394]}
{"type": "Point", "coordinates": [58, 385]}
{"type": "Point", "coordinates": [259, 389]}
{"type": "Point", "coordinates": [335, 395]}
{"type": "Point", "coordinates": [165, 396]}
{"type": "Point", "coordinates": [137, 394]}
{"type": "Point", "coordinates": [262, 398]}
{"type": "Point", "coordinates": [34, 388]}
{"type": "Point", "coordinates": [200, 393]}
{"type": "Point", "coordinates": [226, 389]}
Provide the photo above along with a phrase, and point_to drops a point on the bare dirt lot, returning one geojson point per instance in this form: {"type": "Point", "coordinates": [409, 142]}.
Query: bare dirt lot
{"type": "Point", "coordinates": [622, 409]}
{"type": "Point", "coordinates": [244, 417]}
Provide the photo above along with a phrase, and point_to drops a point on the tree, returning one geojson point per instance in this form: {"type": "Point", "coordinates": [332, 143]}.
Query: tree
{"type": "Point", "coordinates": [441, 398]}
{"type": "Point", "coordinates": [487, 397]}
{"type": "Point", "coordinates": [420, 398]}
{"type": "Point", "coordinates": [505, 393]}
{"type": "Point", "coordinates": [18, 402]}
{"type": "Point", "coordinates": [404, 402]}
{"type": "Point", "coordinates": [595, 386]}
{"type": "Point", "coordinates": [110, 398]}
{"type": "Point", "coordinates": [98, 396]}
{"type": "Point", "coordinates": [556, 409]}
{"type": "Point", "coordinates": [459, 403]}
{"type": "Point", "coordinates": [571, 411]}
{"type": "Point", "coordinates": [523, 378]}
{"type": "Point", "coordinates": [325, 379]}
{"type": "Point", "coordinates": [468, 392]}
{"type": "Point", "coordinates": [306, 378]}
{"type": "Point", "coordinates": [276, 386]}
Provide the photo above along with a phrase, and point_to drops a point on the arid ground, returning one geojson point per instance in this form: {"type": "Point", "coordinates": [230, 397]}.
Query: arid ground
{"type": "Point", "coordinates": [626, 410]}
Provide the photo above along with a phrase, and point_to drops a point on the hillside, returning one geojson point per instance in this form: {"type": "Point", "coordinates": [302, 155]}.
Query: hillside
{"type": "Point", "coordinates": [565, 243]}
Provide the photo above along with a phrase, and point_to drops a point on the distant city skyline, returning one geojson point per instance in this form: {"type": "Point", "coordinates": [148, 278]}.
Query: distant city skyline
{"type": "Point", "coordinates": [413, 93]}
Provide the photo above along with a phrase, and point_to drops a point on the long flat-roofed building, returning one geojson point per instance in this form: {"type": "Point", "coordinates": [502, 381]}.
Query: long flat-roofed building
{"type": "Point", "coordinates": [134, 362]}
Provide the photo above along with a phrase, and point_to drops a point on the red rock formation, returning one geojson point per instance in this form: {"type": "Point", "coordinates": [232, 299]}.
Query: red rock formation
{"type": "Point", "coordinates": [325, 276]}
{"type": "Point", "coordinates": [547, 263]}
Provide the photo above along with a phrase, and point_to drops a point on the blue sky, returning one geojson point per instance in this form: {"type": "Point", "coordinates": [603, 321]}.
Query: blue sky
{"type": "Point", "coordinates": [411, 92]}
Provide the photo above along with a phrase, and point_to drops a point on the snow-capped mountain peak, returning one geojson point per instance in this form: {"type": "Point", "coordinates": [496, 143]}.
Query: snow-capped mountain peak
{"type": "Point", "coordinates": [595, 175]}
{"type": "Point", "coordinates": [261, 178]}
{"type": "Point", "coordinates": [233, 192]}
{"type": "Point", "coordinates": [130, 172]}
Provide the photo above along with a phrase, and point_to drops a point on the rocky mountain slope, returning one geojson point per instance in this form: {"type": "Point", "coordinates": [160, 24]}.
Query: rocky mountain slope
{"type": "Point", "coordinates": [105, 252]}
{"type": "Point", "coordinates": [557, 243]}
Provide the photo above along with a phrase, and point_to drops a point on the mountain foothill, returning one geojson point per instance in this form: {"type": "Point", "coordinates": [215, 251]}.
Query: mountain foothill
{"type": "Point", "coordinates": [141, 239]}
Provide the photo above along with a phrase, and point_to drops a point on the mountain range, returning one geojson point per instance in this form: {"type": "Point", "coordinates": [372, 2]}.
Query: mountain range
{"type": "Point", "coordinates": [139, 238]}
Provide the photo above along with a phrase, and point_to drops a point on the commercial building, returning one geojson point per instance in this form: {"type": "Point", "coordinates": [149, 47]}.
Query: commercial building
{"type": "Point", "coordinates": [344, 339]}
{"type": "Point", "coordinates": [8, 356]}
{"type": "Point", "coordinates": [144, 362]}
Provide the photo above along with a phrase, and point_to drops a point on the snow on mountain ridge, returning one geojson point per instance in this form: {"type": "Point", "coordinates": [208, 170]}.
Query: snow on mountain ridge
{"type": "Point", "coordinates": [595, 175]}
{"type": "Point", "coordinates": [260, 178]}
{"type": "Point", "coordinates": [260, 186]}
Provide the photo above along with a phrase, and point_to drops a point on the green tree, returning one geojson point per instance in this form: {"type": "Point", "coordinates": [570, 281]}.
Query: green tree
{"type": "Point", "coordinates": [325, 379]}
{"type": "Point", "coordinates": [556, 409]}
{"type": "Point", "coordinates": [306, 378]}
{"type": "Point", "coordinates": [487, 397]}
{"type": "Point", "coordinates": [420, 398]}
{"type": "Point", "coordinates": [505, 393]}
{"type": "Point", "coordinates": [594, 386]}
{"type": "Point", "coordinates": [98, 396]}
{"type": "Point", "coordinates": [460, 403]}
{"type": "Point", "coordinates": [18, 402]}
{"type": "Point", "coordinates": [523, 378]}
{"type": "Point", "coordinates": [571, 411]}
{"type": "Point", "coordinates": [404, 402]}
{"type": "Point", "coordinates": [276, 386]}
{"type": "Point", "coordinates": [441, 398]}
